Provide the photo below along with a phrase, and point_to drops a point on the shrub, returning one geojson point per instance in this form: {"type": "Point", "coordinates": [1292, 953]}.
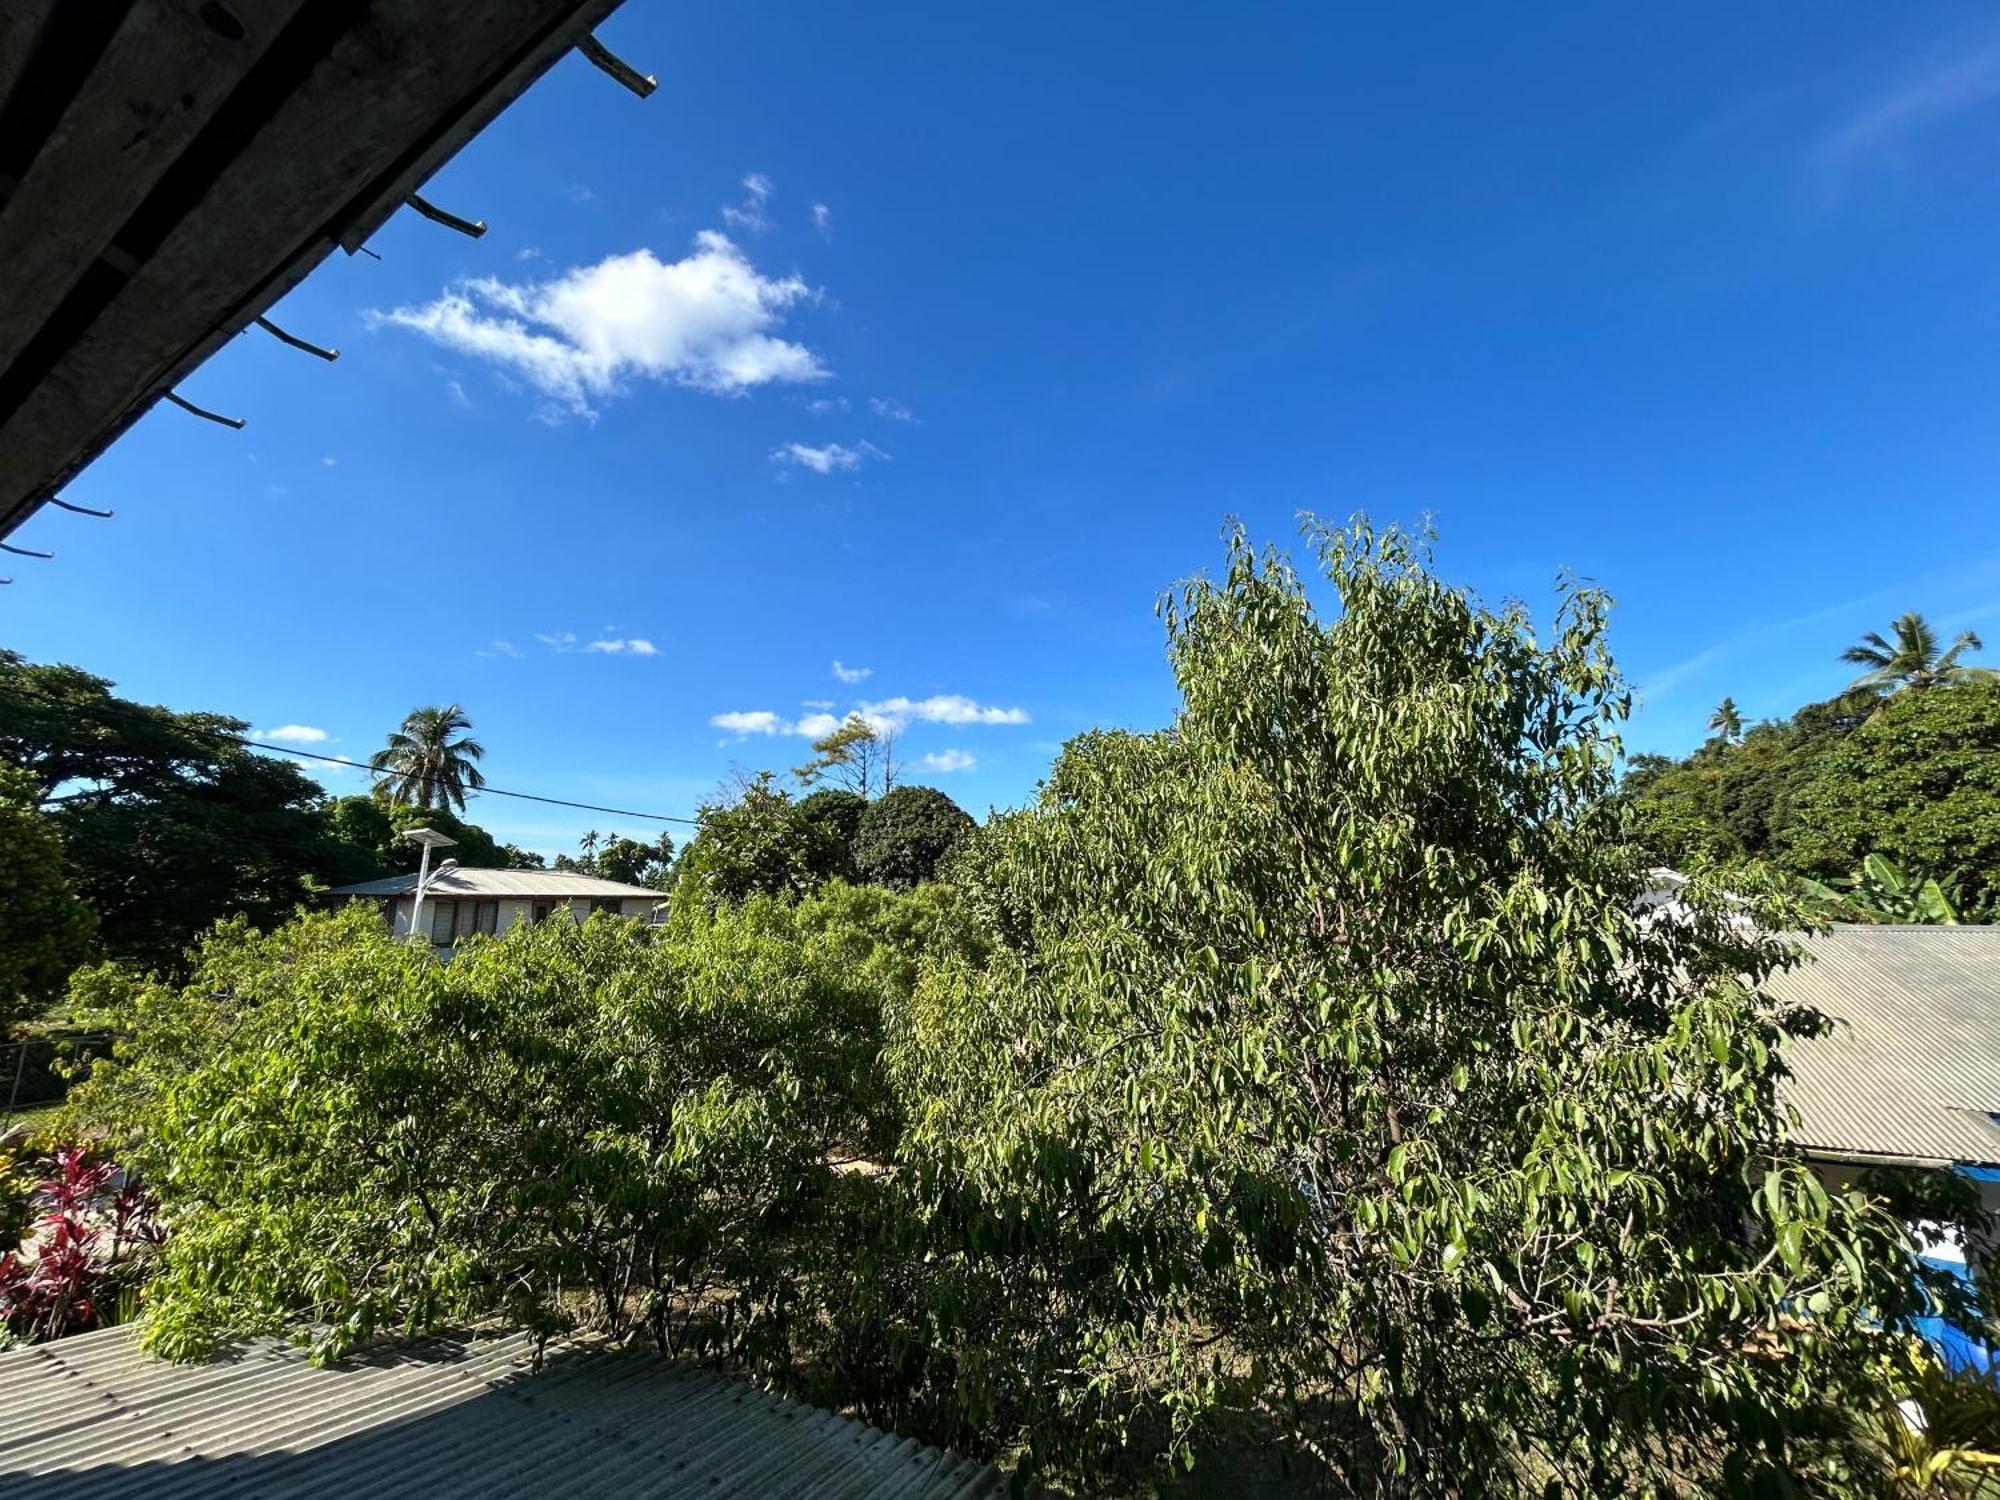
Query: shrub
{"type": "Point", "coordinates": [905, 836]}
{"type": "Point", "coordinates": [85, 1248]}
{"type": "Point", "coordinates": [598, 1125]}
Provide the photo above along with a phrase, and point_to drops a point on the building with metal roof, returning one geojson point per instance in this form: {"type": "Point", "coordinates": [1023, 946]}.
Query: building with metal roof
{"type": "Point", "coordinates": [92, 1416]}
{"type": "Point", "coordinates": [458, 902]}
{"type": "Point", "coordinates": [1911, 1072]}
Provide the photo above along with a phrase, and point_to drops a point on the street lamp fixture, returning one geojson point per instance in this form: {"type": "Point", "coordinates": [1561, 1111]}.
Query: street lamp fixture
{"type": "Point", "coordinates": [431, 839]}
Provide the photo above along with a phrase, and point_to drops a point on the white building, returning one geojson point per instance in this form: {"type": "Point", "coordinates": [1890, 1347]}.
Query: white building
{"type": "Point", "coordinates": [459, 901]}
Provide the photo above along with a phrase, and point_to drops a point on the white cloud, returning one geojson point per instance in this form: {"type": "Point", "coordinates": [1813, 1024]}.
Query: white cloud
{"type": "Point", "coordinates": [329, 460]}
{"type": "Point", "coordinates": [814, 726]}
{"type": "Point", "coordinates": [943, 761]}
{"type": "Point", "coordinates": [823, 220]}
{"type": "Point", "coordinates": [499, 648]}
{"type": "Point", "coordinates": [704, 321]}
{"type": "Point", "coordinates": [851, 674]}
{"type": "Point", "coordinates": [890, 716]}
{"type": "Point", "coordinates": [457, 394]}
{"type": "Point", "coordinates": [829, 457]}
{"type": "Point", "coordinates": [635, 646]}
{"type": "Point", "coordinates": [821, 406]}
{"type": "Point", "coordinates": [292, 734]}
{"type": "Point", "coordinates": [749, 215]}
{"type": "Point", "coordinates": [1885, 125]}
{"type": "Point", "coordinates": [566, 641]}
{"type": "Point", "coordinates": [754, 721]}
{"type": "Point", "coordinates": [943, 708]}
{"type": "Point", "coordinates": [890, 407]}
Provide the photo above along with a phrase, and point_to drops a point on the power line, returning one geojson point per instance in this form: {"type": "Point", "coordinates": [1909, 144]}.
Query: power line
{"type": "Point", "coordinates": [484, 791]}
{"type": "Point", "coordinates": [140, 711]}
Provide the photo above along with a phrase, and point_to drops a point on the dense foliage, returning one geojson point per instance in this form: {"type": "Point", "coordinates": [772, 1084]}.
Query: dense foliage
{"type": "Point", "coordinates": [1915, 778]}
{"type": "Point", "coordinates": [1300, 1076]}
{"type": "Point", "coordinates": [593, 1123]}
{"type": "Point", "coordinates": [45, 930]}
{"type": "Point", "coordinates": [1330, 1079]}
{"type": "Point", "coordinates": [626, 860]}
{"type": "Point", "coordinates": [905, 835]}
{"type": "Point", "coordinates": [166, 823]}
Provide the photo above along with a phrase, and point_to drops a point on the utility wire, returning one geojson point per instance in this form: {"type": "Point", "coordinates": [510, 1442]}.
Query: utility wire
{"type": "Point", "coordinates": [140, 711]}
{"type": "Point", "coordinates": [483, 791]}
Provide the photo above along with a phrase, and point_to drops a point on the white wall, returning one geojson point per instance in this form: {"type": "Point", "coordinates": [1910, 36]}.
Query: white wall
{"type": "Point", "coordinates": [518, 909]}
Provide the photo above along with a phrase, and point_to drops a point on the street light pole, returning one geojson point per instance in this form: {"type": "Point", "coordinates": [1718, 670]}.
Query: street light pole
{"type": "Point", "coordinates": [431, 839]}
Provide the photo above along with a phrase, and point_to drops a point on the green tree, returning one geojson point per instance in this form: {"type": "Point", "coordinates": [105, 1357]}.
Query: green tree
{"type": "Point", "coordinates": [366, 841]}
{"type": "Point", "coordinates": [430, 762]}
{"type": "Point", "coordinates": [837, 813]}
{"type": "Point", "coordinates": [1913, 658]}
{"type": "Point", "coordinates": [1727, 721]}
{"type": "Point", "coordinates": [44, 929]}
{"type": "Point", "coordinates": [1919, 784]}
{"type": "Point", "coordinates": [756, 844]}
{"type": "Point", "coordinates": [906, 834]}
{"type": "Point", "coordinates": [167, 823]}
{"type": "Point", "coordinates": [574, 1125]}
{"type": "Point", "coordinates": [615, 857]}
{"type": "Point", "coordinates": [858, 756]}
{"type": "Point", "coordinates": [1330, 1081]}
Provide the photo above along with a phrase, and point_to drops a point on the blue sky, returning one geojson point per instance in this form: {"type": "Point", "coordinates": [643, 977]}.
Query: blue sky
{"type": "Point", "coordinates": [936, 343]}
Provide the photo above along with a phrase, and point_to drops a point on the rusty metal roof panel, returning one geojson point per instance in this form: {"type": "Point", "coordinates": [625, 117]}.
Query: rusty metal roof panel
{"type": "Point", "coordinates": [92, 1416]}
{"type": "Point", "coordinates": [1912, 1068]}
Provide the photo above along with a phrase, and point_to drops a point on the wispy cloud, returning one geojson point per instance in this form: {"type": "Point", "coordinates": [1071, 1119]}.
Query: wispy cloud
{"type": "Point", "coordinates": [499, 648]}
{"type": "Point", "coordinates": [707, 321]}
{"type": "Point", "coordinates": [631, 646]}
{"type": "Point", "coordinates": [565, 643]}
{"type": "Point", "coordinates": [851, 674]}
{"type": "Point", "coordinates": [292, 734]}
{"type": "Point", "coordinates": [945, 761]}
{"type": "Point", "coordinates": [1884, 127]}
{"type": "Point", "coordinates": [828, 458]}
{"type": "Point", "coordinates": [890, 407]}
{"type": "Point", "coordinates": [821, 406]}
{"type": "Point", "coordinates": [823, 220]}
{"type": "Point", "coordinates": [749, 215]}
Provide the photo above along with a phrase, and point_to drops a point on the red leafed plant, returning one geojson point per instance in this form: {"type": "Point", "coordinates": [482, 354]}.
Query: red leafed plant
{"type": "Point", "coordinates": [83, 1252]}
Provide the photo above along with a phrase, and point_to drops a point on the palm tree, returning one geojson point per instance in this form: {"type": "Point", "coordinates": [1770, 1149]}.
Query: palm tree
{"type": "Point", "coordinates": [423, 764]}
{"type": "Point", "coordinates": [1913, 660]}
{"type": "Point", "coordinates": [1726, 721]}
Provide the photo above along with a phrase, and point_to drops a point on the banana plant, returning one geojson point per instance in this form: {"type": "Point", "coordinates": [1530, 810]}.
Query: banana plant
{"type": "Point", "coordinates": [1879, 892]}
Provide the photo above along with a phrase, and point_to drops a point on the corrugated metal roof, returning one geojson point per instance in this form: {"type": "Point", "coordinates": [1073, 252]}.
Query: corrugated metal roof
{"type": "Point", "coordinates": [554, 884]}
{"type": "Point", "coordinates": [1914, 1068]}
{"type": "Point", "coordinates": [91, 1416]}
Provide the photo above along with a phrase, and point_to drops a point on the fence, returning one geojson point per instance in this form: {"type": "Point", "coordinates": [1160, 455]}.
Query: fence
{"type": "Point", "coordinates": [29, 1080]}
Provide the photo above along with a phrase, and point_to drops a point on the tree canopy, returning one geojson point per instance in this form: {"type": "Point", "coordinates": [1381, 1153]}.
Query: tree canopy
{"type": "Point", "coordinates": [1913, 659]}
{"type": "Point", "coordinates": [904, 836]}
{"type": "Point", "coordinates": [45, 931]}
{"type": "Point", "coordinates": [1914, 778]}
{"type": "Point", "coordinates": [1329, 1079]}
{"type": "Point", "coordinates": [430, 762]}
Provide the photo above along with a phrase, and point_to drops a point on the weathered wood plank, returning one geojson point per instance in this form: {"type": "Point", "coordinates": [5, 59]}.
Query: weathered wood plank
{"type": "Point", "coordinates": [156, 85]}
{"type": "Point", "coordinates": [369, 108]}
